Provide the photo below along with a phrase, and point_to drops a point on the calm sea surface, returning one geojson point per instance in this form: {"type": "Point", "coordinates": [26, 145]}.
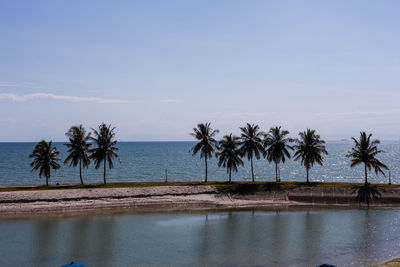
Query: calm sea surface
{"type": "Point", "coordinates": [307, 237]}
{"type": "Point", "coordinates": [147, 161]}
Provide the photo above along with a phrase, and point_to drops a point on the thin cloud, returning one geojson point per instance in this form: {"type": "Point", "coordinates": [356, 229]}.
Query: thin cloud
{"type": "Point", "coordinates": [27, 97]}
{"type": "Point", "coordinates": [341, 115]}
{"type": "Point", "coordinates": [169, 101]}
{"type": "Point", "coordinates": [241, 115]}
{"type": "Point", "coordinates": [8, 84]}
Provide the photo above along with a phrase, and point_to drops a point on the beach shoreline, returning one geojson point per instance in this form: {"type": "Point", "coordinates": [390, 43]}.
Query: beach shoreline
{"type": "Point", "coordinates": [193, 196]}
{"type": "Point", "coordinates": [156, 198]}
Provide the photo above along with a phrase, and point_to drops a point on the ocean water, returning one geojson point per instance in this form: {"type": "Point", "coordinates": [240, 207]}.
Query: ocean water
{"type": "Point", "coordinates": [262, 237]}
{"type": "Point", "coordinates": [147, 161]}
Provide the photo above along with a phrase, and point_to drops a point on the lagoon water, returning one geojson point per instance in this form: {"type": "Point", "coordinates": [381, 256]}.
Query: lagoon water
{"type": "Point", "coordinates": [285, 237]}
{"type": "Point", "coordinates": [147, 161]}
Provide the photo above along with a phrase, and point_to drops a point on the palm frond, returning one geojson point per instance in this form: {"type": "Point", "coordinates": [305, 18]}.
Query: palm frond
{"type": "Point", "coordinates": [103, 137]}
{"type": "Point", "coordinates": [44, 158]}
{"type": "Point", "coordinates": [309, 148]}
{"type": "Point", "coordinates": [365, 151]}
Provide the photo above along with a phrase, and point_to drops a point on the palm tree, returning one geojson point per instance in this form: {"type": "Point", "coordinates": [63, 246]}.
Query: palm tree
{"type": "Point", "coordinates": [207, 144]}
{"type": "Point", "coordinates": [105, 150]}
{"type": "Point", "coordinates": [276, 147]}
{"type": "Point", "coordinates": [309, 149]}
{"type": "Point", "coordinates": [251, 143]}
{"type": "Point", "coordinates": [364, 151]}
{"type": "Point", "coordinates": [45, 159]}
{"type": "Point", "coordinates": [78, 148]}
{"type": "Point", "coordinates": [229, 154]}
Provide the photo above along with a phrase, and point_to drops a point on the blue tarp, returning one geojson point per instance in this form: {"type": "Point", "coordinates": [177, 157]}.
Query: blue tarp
{"type": "Point", "coordinates": [73, 265]}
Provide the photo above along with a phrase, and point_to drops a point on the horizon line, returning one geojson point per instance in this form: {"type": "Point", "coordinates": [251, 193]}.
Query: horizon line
{"type": "Point", "coordinates": [171, 141]}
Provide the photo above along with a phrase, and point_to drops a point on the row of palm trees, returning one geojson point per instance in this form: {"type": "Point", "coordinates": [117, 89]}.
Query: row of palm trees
{"type": "Point", "coordinates": [274, 145]}
{"type": "Point", "coordinates": [45, 155]}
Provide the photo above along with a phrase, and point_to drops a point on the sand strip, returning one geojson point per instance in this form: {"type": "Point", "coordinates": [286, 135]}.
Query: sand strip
{"type": "Point", "coordinates": [33, 202]}
{"type": "Point", "coordinates": [48, 201]}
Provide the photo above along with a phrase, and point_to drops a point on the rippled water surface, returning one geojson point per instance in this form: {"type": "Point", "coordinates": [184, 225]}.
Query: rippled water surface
{"type": "Point", "coordinates": [147, 161]}
{"type": "Point", "coordinates": [307, 237]}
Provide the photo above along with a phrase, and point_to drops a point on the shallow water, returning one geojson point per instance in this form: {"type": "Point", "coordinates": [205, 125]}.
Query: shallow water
{"type": "Point", "coordinates": [147, 161]}
{"type": "Point", "coordinates": [307, 237]}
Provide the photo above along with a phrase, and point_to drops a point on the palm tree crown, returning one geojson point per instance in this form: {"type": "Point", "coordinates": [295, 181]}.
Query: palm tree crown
{"type": "Point", "coordinates": [251, 143]}
{"type": "Point", "coordinates": [364, 151]}
{"type": "Point", "coordinates": [45, 159]}
{"type": "Point", "coordinates": [229, 154]}
{"type": "Point", "coordinates": [309, 149]}
{"type": "Point", "coordinates": [276, 147]}
{"type": "Point", "coordinates": [78, 148]}
{"type": "Point", "coordinates": [105, 150]}
{"type": "Point", "coordinates": [207, 143]}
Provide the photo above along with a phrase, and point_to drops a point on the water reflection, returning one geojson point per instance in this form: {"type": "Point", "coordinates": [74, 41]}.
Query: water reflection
{"type": "Point", "coordinates": [250, 237]}
{"type": "Point", "coordinates": [105, 243]}
{"type": "Point", "coordinates": [63, 241]}
{"type": "Point", "coordinates": [43, 241]}
{"type": "Point", "coordinates": [79, 239]}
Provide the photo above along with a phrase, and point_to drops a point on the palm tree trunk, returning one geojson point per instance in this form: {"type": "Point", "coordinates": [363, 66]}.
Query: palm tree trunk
{"type": "Point", "coordinates": [252, 171]}
{"type": "Point", "coordinates": [47, 180]}
{"type": "Point", "coordinates": [276, 172]}
{"type": "Point", "coordinates": [205, 158]}
{"type": "Point", "coordinates": [230, 175]}
{"type": "Point", "coordinates": [366, 173]}
{"type": "Point", "coordinates": [104, 171]}
{"type": "Point", "coordinates": [80, 170]}
{"type": "Point", "coordinates": [307, 174]}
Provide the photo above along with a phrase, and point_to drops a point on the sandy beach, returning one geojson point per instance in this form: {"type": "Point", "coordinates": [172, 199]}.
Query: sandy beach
{"type": "Point", "coordinates": [32, 202]}
{"type": "Point", "coordinates": [183, 197]}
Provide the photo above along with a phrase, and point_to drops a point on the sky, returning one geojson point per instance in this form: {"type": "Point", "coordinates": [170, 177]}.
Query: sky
{"type": "Point", "coordinates": [155, 69]}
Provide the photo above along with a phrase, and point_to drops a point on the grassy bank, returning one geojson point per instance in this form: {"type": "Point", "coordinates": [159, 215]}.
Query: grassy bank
{"type": "Point", "coordinates": [223, 187]}
{"type": "Point", "coordinates": [392, 263]}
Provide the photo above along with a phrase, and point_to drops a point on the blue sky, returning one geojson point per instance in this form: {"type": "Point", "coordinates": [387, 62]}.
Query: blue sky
{"type": "Point", "coordinates": [154, 69]}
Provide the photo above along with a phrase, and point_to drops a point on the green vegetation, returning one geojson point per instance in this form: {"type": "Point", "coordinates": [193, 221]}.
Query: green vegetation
{"type": "Point", "coordinates": [105, 150]}
{"type": "Point", "coordinates": [276, 147]}
{"type": "Point", "coordinates": [207, 143]}
{"type": "Point", "coordinates": [309, 148]}
{"type": "Point", "coordinates": [229, 154]}
{"type": "Point", "coordinates": [78, 148]}
{"type": "Point", "coordinates": [392, 263]}
{"type": "Point", "coordinates": [45, 159]}
{"type": "Point", "coordinates": [223, 187]}
{"type": "Point", "coordinates": [252, 145]}
{"type": "Point", "coordinates": [364, 151]}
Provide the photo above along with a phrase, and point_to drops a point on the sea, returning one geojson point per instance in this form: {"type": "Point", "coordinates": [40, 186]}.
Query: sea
{"type": "Point", "coordinates": [173, 161]}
